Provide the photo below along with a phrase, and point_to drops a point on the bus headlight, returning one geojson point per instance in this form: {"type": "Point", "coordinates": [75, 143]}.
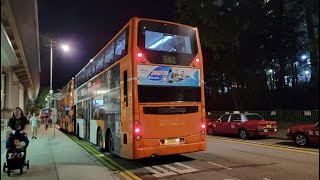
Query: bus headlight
{"type": "Point", "coordinates": [203, 132]}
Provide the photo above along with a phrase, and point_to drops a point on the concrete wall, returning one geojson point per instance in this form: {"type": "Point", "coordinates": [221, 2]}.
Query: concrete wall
{"type": "Point", "coordinates": [20, 56]}
{"type": "Point", "coordinates": [21, 98]}
{"type": "Point", "coordinates": [13, 95]}
{"type": "Point", "coordinates": [2, 89]}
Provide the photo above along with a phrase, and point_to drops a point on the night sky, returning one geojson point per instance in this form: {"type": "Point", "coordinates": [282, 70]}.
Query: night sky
{"type": "Point", "coordinates": [86, 26]}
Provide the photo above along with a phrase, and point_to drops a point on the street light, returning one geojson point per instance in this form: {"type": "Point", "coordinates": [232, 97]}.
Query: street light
{"type": "Point", "coordinates": [306, 74]}
{"type": "Point", "coordinates": [270, 71]}
{"type": "Point", "coordinates": [65, 48]}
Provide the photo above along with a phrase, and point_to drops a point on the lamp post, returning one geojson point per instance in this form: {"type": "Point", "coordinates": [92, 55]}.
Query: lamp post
{"type": "Point", "coordinates": [54, 112]}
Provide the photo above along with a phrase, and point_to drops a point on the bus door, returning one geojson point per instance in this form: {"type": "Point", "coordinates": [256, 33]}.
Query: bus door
{"type": "Point", "coordinates": [87, 117]}
{"type": "Point", "coordinates": [126, 133]}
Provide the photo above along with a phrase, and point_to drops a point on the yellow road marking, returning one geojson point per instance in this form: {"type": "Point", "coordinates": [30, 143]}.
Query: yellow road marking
{"type": "Point", "coordinates": [110, 160]}
{"type": "Point", "coordinates": [268, 146]}
{"type": "Point", "coordinates": [94, 153]}
{"type": "Point", "coordinates": [97, 154]}
{"type": "Point", "coordinates": [100, 158]}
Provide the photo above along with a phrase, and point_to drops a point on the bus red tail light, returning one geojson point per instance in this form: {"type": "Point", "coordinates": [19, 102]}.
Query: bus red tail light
{"type": "Point", "coordinates": [203, 126]}
{"type": "Point", "coordinates": [136, 130]}
{"type": "Point", "coordinates": [196, 62]}
{"type": "Point", "coordinates": [139, 55]}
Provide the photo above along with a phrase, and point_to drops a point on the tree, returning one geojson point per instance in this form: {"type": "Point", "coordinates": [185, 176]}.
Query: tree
{"type": "Point", "coordinates": [251, 49]}
{"type": "Point", "coordinates": [311, 10]}
{"type": "Point", "coordinates": [230, 34]}
{"type": "Point", "coordinates": [41, 99]}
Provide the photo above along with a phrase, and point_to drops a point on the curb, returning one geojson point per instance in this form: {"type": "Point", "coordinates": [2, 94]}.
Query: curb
{"type": "Point", "coordinates": [282, 138]}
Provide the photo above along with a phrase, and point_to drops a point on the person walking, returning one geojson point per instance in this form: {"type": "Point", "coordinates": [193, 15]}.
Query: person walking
{"type": "Point", "coordinates": [46, 122]}
{"type": "Point", "coordinates": [34, 125]}
{"type": "Point", "coordinates": [50, 122]}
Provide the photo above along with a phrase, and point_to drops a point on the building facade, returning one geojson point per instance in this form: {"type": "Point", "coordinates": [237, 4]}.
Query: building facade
{"type": "Point", "coordinates": [20, 57]}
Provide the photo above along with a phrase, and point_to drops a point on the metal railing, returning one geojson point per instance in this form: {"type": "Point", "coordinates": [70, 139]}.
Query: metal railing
{"type": "Point", "coordinates": [4, 124]}
{"type": "Point", "coordinates": [294, 116]}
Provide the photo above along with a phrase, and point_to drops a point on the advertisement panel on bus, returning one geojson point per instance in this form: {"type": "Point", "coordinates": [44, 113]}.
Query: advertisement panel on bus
{"type": "Point", "coordinates": [104, 83]}
{"type": "Point", "coordinates": [167, 76]}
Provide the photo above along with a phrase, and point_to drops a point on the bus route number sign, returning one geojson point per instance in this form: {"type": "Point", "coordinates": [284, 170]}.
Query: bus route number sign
{"type": "Point", "coordinates": [169, 60]}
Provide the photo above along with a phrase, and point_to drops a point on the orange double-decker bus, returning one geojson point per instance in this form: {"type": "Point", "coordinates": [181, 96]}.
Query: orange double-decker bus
{"type": "Point", "coordinates": [142, 95]}
{"type": "Point", "coordinates": [65, 108]}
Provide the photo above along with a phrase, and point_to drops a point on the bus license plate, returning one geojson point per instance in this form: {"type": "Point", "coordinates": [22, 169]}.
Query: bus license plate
{"type": "Point", "coordinates": [269, 126]}
{"type": "Point", "coordinates": [265, 130]}
{"type": "Point", "coordinates": [172, 141]}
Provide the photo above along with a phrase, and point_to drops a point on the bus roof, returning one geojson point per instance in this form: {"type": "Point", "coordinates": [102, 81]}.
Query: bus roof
{"type": "Point", "coordinates": [139, 19]}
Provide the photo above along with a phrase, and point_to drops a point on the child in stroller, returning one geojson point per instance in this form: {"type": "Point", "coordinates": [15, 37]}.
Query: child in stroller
{"type": "Point", "coordinates": [16, 152]}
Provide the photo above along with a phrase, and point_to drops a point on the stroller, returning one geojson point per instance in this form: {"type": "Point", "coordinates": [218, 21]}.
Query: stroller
{"type": "Point", "coordinates": [16, 157]}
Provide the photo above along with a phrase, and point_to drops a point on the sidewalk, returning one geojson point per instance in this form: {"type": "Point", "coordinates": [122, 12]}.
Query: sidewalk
{"type": "Point", "coordinates": [57, 158]}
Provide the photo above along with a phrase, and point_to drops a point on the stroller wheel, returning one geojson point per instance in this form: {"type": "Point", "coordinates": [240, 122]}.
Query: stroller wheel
{"type": "Point", "coordinates": [8, 171]}
{"type": "Point", "coordinates": [4, 167]}
{"type": "Point", "coordinates": [21, 170]}
{"type": "Point", "coordinates": [28, 164]}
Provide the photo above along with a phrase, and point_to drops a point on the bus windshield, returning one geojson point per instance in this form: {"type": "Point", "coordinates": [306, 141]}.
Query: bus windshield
{"type": "Point", "coordinates": [168, 44]}
{"type": "Point", "coordinates": [163, 43]}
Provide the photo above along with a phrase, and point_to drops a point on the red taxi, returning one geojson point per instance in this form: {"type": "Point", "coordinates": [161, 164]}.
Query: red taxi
{"type": "Point", "coordinates": [242, 124]}
{"type": "Point", "coordinates": [304, 135]}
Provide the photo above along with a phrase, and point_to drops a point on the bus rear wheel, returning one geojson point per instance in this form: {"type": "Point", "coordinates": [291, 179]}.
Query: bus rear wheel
{"type": "Point", "coordinates": [111, 144]}
{"type": "Point", "coordinates": [100, 141]}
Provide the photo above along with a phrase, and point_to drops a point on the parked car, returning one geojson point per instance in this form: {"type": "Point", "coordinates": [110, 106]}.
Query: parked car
{"type": "Point", "coordinates": [242, 124]}
{"type": "Point", "coordinates": [304, 135]}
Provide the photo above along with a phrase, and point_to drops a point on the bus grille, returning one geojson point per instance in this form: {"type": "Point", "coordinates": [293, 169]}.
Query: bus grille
{"type": "Point", "coordinates": [170, 110]}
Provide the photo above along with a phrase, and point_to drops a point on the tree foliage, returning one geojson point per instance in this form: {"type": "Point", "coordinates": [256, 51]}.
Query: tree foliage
{"type": "Point", "coordinates": [243, 41]}
{"type": "Point", "coordinates": [41, 99]}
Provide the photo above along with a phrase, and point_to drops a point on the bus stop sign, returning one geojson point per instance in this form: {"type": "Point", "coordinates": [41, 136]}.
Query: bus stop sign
{"type": "Point", "coordinates": [58, 96]}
